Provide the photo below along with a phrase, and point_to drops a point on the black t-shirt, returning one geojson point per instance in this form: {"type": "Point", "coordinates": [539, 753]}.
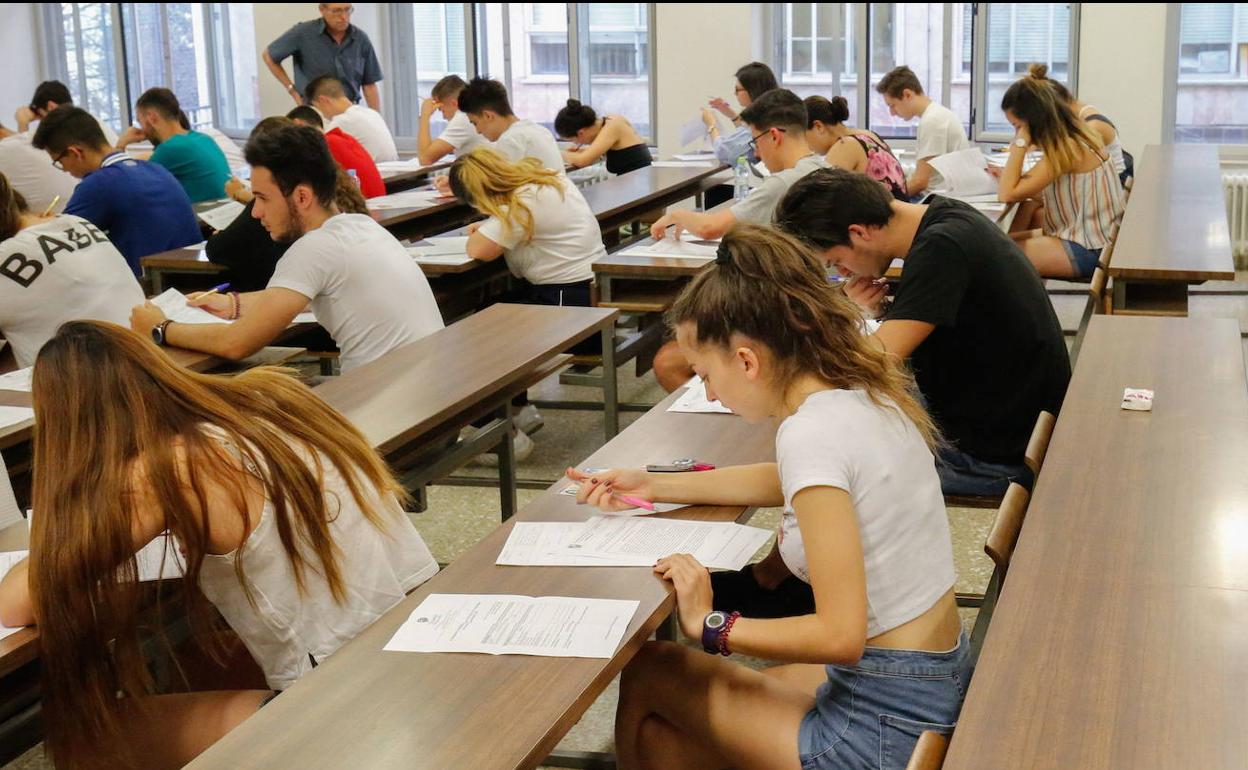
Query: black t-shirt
{"type": "Point", "coordinates": [996, 357]}
{"type": "Point", "coordinates": [246, 248]}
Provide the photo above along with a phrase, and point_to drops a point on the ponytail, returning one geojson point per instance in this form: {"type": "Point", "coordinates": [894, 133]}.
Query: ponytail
{"type": "Point", "coordinates": [574, 117]}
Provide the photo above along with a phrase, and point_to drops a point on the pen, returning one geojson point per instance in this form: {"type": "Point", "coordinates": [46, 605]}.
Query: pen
{"type": "Point", "coordinates": [52, 205]}
{"type": "Point", "coordinates": [211, 291]}
{"type": "Point", "coordinates": [637, 501]}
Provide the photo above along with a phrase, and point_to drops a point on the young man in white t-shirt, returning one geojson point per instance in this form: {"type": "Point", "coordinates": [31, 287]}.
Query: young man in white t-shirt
{"type": "Point", "coordinates": [30, 173]}
{"type": "Point", "coordinates": [368, 127]}
{"type": "Point", "coordinates": [359, 281]}
{"type": "Point", "coordinates": [490, 113]}
{"type": "Point", "coordinates": [49, 95]}
{"type": "Point", "coordinates": [939, 132]}
{"type": "Point", "coordinates": [459, 136]}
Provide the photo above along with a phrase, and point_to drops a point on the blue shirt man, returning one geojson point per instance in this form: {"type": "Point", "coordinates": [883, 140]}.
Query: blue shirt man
{"type": "Point", "coordinates": [330, 45]}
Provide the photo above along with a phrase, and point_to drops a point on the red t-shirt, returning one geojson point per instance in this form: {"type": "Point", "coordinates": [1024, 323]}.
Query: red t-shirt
{"type": "Point", "coordinates": [350, 154]}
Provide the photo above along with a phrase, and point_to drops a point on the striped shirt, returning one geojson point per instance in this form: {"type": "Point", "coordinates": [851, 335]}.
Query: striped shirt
{"type": "Point", "coordinates": [1085, 207]}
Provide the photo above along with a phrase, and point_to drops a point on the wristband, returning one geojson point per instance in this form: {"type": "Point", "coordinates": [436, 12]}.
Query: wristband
{"type": "Point", "coordinates": [237, 309]}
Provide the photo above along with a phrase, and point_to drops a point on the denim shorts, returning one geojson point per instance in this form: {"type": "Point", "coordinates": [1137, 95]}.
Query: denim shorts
{"type": "Point", "coordinates": [1082, 260]}
{"type": "Point", "coordinates": [870, 715]}
{"type": "Point", "coordinates": [964, 474]}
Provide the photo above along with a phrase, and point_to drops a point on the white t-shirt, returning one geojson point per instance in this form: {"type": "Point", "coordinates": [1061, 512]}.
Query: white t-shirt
{"type": "Point", "coordinates": [31, 173]}
{"type": "Point", "coordinates": [233, 153]}
{"type": "Point", "coordinates": [839, 438]}
{"type": "Point", "coordinates": [363, 286]}
{"type": "Point", "coordinates": [369, 129]}
{"type": "Point", "coordinates": [760, 205]}
{"type": "Point", "coordinates": [566, 237]}
{"type": "Point", "coordinates": [64, 269]}
{"type": "Point", "coordinates": [460, 134]}
{"type": "Point", "coordinates": [939, 132]}
{"type": "Point", "coordinates": [526, 139]}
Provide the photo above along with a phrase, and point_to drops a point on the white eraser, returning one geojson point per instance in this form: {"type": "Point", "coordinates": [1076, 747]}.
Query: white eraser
{"type": "Point", "coordinates": [1137, 400]}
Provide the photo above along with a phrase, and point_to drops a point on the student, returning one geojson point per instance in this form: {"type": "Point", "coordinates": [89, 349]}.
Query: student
{"type": "Point", "coordinates": [611, 135]}
{"type": "Point", "coordinates": [330, 45]}
{"type": "Point", "coordinates": [54, 269]}
{"type": "Point", "coordinates": [139, 204]}
{"type": "Point", "coordinates": [353, 274]}
{"type": "Point", "coordinates": [193, 158]}
{"type": "Point", "coordinates": [28, 172]}
{"type": "Point", "coordinates": [49, 95]}
{"type": "Point", "coordinates": [751, 81]}
{"type": "Point", "coordinates": [247, 249]}
{"type": "Point", "coordinates": [970, 313]}
{"type": "Point", "coordinates": [367, 126]}
{"type": "Point", "coordinates": [349, 153]}
{"type": "Point", "coordinates": [939, 130]}
{"type": "Point", "coordinates": [1124, 164]}
{"type": "Point", "coordinates": [851, 149]}
{"type": "Point", "coordinates": [882, 655]}
{"type": "Point", "coordinates": [1083, 196]}
{"type": "Point", "coordinates": [489, 110]}
{"type": "Point", "coordinates": [288, 521]}
{"type": "Point", "coordinates": [777, 123]}
{"type": "Point", "coordinates": [459, 136]}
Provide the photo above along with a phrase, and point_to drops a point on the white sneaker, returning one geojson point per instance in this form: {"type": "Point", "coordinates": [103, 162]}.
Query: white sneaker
{"type": "Point", "coordinates": [528, 420]}
{"type": "Point", "coordinates": [522, 447]}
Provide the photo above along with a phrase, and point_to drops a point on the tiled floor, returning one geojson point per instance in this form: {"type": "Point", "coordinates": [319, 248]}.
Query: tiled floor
{"type": "Point", "coordinates": [460, 516]}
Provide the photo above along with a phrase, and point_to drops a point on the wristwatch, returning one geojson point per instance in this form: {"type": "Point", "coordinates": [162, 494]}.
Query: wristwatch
{"type": "Point", "coordinates": [1020, 142]}
{"type": "Point", "coordinates": [715, 626]}
{"type": "Point", "coordinates": [158, 333]}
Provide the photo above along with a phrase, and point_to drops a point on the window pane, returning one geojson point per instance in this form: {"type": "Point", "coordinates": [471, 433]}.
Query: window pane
{"type": "Point", "coordinates": [912, 34]}
{"type": "Point", "coordinates": [537, 55]}
{"type": "Point", "coordinates": [1020, 34]}
{"type": "Point", "coordinates": [1212, 101]}
{"type": "Point", "coordinates": [820, 66]}
{"type": "Point", "coordinates": [238, 103]}
{"type": "Point", "coordinates": [801, 19]}
{"type": "Point", "coordinates": [619, 64]}
{"type": "Point", "coordinates": [166, 46]}
{"type": "Point", "coordinates": [90, 62]}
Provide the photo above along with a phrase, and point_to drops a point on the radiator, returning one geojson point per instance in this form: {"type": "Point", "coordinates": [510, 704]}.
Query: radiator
{"type": "Point", "coordinates": [1236, 186]}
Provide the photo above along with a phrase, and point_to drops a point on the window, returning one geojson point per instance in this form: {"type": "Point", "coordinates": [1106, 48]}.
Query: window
{"type": "Point", "coordinates": [912, 34]}
{"type": "Point", "coordinates": [815, 50]}
{"type": "Point", "coordinates": [526, 47]}
{"type": "Point", "coordinates": [1020, 34]}
{"type": "Point", "coordinates": [1212, 99]}
{"type": "Point", "coordinates": [235, 63]}
{"type": "Point", "coordinates": [616, 58]}
{"type": "Point", "coordinates": [166, 46]}
{"type": "Point", "coordinates": [84, 58]}
{"type": "Point", "coordinates": [429, 42]}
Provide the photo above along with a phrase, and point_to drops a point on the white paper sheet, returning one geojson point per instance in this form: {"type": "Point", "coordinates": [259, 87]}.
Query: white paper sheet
{"type": "Point", "coordinates": [8, 560]}
{"type": "Point", "coordinates": [964, 172]}
{"type": "Point", "coordinates": [694, 401]}
{"type": "Point", "coordinates": [691, 131]}
{"type": "Point", "coordinates": [410, 199]}
{"type": "Point", "coordinates": [548, 626]}
{"type": "Point", "coordinates": [220, 217]}
{"type": "Point", "coordinates": [173, 303]}
{"type": "Point", "coordinates": [441, 245]}
{"type": "Point", "coordinates": [641, 541]}
{"type": "Point", "coordinates": [9, 512]}
{"type": "Point", "coordinates": [18, 379]}
{"type": "Point", "coordinates": [398, 166]}
{"type": "Point", "coordinates": [670, 247]}
{"type": "Point", "coordinates": [999, 159]}
{"type": "Point", "coordinates": [306, 317]}
{"type": "Point", "coordinates": [683, 164]}
{"type": "Point", "coordinates": [694, 156]}
{"type": "Point", "coordinates": [544, 544]}
{"type": "Point", "coordinates": [11, 416]}
{"type": "Point", "coordinates": [159, 559]}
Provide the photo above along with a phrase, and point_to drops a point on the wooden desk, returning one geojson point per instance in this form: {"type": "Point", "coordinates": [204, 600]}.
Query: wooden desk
{"type": "Point", "coordinates": [399, 181]}
{"type": "Point", "coordinates": [1119, 637]}
{"type": "Point", "coordinates": [622, 199]}
{"type": "Point", "coordinates": [645, 284]}
{"type": "Point", "coordinates": [368, 708]}
{"type": "Point", "coordinates": [1174, 232]}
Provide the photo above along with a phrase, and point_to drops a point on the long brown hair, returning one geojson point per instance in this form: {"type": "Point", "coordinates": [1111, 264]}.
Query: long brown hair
{"type": "Point", "coordinates": [1052, 123]}
{"type": "Point", "coordinates": [769, 287]}
{"type": "Point", "coordinates": [112, 413]}
{"type": "Point", "coordinates": [487, 181]}
{"type": "Point", "coordinates": [12, 207]}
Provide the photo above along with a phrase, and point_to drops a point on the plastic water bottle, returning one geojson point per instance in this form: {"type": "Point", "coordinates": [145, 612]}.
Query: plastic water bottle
{"type": "Point", "coordinates": [355, 177]}
{"type": "Point", "coordinates": [741, 179]}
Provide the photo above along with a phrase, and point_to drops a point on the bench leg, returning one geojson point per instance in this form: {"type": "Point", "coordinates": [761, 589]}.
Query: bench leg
{"type": "Point", "coordinates": [507, 466]}
{"type": "Point", "coordinates": [610, 396]}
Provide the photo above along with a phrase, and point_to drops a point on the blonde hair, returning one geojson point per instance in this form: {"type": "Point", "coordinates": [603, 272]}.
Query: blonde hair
{"type": "Point", "coordinates": [487, 181]}
{"type": "Point", "coordinates": [1053, 125]}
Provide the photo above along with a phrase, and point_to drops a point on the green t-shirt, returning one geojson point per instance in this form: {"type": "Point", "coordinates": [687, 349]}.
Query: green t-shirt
{"type": "Point", "coordinates": [197, 162]}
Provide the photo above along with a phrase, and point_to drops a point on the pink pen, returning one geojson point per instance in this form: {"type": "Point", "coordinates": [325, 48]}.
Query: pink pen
{"type": "Point", "coordinates": [635, 501]}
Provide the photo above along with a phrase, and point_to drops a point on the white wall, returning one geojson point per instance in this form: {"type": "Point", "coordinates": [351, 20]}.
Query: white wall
{"type": "Point", "coordinates": [698, 47]}
{"type": "Point", "coordinates": [1122, 68]}
{"type": "Point", "coordinates": [18, 37]}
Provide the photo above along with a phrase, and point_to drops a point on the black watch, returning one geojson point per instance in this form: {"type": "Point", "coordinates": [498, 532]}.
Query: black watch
{"type": "Point", "coordinates": [158, 333]}
{"type": "Point", "coordinates": [712, 628]}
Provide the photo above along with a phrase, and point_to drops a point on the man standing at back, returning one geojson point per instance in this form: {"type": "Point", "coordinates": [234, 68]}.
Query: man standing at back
{"type": "Point", "coordinates": [330, 45]}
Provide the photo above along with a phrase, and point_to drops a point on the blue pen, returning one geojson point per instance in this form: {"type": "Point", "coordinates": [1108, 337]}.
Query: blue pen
{"type": "Point", "coordinates": [213, 290]}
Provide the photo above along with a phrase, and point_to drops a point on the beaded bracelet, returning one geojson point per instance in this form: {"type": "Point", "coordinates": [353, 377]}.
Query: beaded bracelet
{"type": "Point", "coordinates": [723, 635]}
{"type": "Point", "coordinates": [237, 306]}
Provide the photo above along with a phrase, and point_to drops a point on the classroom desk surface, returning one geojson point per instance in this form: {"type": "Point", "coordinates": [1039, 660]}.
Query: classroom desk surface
{"type": "Point", "coordinates": [402, 395]}
{"type": "Point", "coordinates": [1174, 232]}
{"type": "Point", "coordinates": [1119, 637]}
{"type": "Point", "coordinates": [621, 197]}
{"type": "Point", "coordinates": [365, 707]}
{"type": "Point", "coordinates": [398, 181]}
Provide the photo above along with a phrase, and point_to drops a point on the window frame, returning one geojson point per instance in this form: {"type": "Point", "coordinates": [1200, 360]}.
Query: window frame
{"type": "Point", "coordinates": [1236, 153]}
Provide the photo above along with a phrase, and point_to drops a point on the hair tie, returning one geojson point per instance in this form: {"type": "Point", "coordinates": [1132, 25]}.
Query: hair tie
{"type": "Point", "coordinates": [722, 255]}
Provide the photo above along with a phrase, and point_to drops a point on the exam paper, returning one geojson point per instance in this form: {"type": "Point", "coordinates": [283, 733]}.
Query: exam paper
{"type": "Point", "coordinates": [683, 164]}
{"type": "Point", "coordinates": [964, 172]}
{"type": "Point", "coordinates": [306, 317]}
{"type": "Point", "coordinates": [670, 247]}
{"type": "Point", "coordinates": [998, 159]}
{"type": "Point", "coordinates": [220, 217]}
{"type": "Point", "coordinates": [640, 542]}
{"type": "Point", "coordinates": [707, 155]}
{"type": "Point", "coordinates": [173, 303]}
{"type": "Point", "coordinates": [160, 559]}
{"type": "Point", "coordinates": [694, 401]}
{"type": "Point", "coordinates": [11, 416]}
{"type": "Point", "coordinates": [549, 626]}
{"type": "Point", "coordinates": [544, 544]}
{"type": "Point", "coordinates": [691, 131]}
{"type": "Point", "coordinates": [410, 199]}
{"type": "Point", "coordinates": [441, 245]}
{"type": "Point", "coordinates": [9, 512]}
{"type": "Point", "coordinates": [399, 166]}
{"type": "Point", "coordinates": [18, 379]}
{"type": "Point", "coordinates": [8, 560]}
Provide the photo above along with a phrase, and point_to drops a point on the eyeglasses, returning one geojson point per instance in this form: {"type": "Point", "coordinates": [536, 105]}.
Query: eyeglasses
{"type": "Point", "coordinates": [340, 11]}
{"type": "Point", "coordinates": [753, 143]}
{"type": "Point", "coordinates": [56, 162]}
